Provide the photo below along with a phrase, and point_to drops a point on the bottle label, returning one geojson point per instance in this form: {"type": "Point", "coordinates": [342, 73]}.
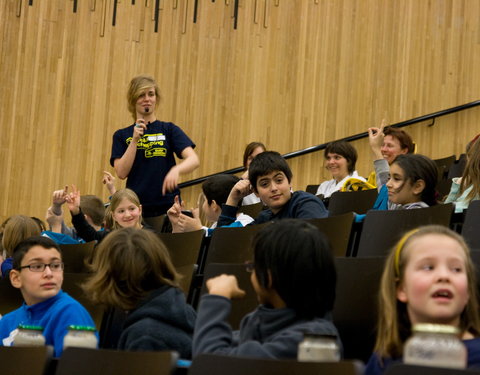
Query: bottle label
{"type": "Point", "coordinates": [8, 341]}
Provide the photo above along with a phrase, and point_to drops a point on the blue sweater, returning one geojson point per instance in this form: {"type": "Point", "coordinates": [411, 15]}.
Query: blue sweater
{"type": "Point", "coordinates": [301, 205]}
{"type": "Point", "coordinates": [54, 315]}
{"type": "Point", "coordinates": [375, 367]}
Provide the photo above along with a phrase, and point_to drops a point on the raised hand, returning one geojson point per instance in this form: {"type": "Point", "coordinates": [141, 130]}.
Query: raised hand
{"type": "Point", "coordinates": [73, 200]}
{"type": "Point", "coordinates": [375, 138]}
{"type": "Point", "coordinates": [58, 199]}
{"type": "Point", "coordinates": [109, 181]}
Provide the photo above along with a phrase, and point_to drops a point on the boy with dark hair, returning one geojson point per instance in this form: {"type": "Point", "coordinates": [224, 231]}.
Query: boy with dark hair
{"type": "Point", "coordinates": [294, 277]}
{"type": "Point", "coordinates": [215, 193]}
{"type": "Point", "coordinates": [270, 179]}
{"type": "Point", "coordinates": [38, 273]}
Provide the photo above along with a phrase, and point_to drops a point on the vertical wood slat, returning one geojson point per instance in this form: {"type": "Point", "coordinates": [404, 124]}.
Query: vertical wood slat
{"type": "Point", "coordinates": [297, 83]}
{"type": "Point", "coordinates": [19, 8]}
{"type": "Point", "coordinates": [104, 18]}
{"type": "Point", "coordinates": [185, 17]}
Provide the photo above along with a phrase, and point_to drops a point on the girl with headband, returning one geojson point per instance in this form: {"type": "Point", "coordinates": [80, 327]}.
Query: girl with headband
{"type": "Point", "coordinates": [429, 277]}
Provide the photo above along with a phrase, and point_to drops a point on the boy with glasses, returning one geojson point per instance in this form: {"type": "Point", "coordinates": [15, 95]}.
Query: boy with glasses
{"type": "Point", "coordinates": [38, 273]}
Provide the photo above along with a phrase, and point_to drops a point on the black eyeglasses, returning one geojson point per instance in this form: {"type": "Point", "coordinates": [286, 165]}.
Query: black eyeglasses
{"type": "Point", "coordinates": [40, 267]}
{"type": "Point", "coordinates": [249, 266]}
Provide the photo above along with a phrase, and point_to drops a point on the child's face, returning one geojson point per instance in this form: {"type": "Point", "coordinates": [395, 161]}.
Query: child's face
{"type": "Point", "coordinates": [401, 190]}
{"type": "Point", "coordinates": [211, 214]}
{"type": "Point", "coordinates": [391, 148]}
{"type": "Point", "coordinates": [127, 214]}
{"type": "Point", "coordinates": [435, 284]}
{"type": "Point", "coordinates": [38, 286]}
{"type": "Point", "coordinates": [274, 190]}
{"type": "Point", "coordinates": [337, 165]}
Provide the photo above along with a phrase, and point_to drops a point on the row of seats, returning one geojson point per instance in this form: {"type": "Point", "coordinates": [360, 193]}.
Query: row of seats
{"type": "Point", "coordinates": [198, 258]}
{"type": "Point", "coordinates": [80, 361]}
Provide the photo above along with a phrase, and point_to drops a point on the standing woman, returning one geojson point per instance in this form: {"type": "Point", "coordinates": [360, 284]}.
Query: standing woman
{"type": "Point", "coordinates": [144, 151]}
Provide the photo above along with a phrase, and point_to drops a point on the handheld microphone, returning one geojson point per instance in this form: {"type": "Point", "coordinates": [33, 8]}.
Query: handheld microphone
{"type": "Point", "coordinates": [147, 109]}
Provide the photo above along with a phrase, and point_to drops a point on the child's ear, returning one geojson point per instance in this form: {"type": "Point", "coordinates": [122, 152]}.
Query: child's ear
{"type": "Point", "coordinates": [15, 279]}
{"type": "Point", "coordinates": [270, 280]}
{"type": "Point", "coordinates": [215, 206]}
{"type": "Point", "coordinates": [401, 293]}
{"type": "Point", "coordinates": [418, 187]}
{"type": "Point", "coordinates": [140, 208]}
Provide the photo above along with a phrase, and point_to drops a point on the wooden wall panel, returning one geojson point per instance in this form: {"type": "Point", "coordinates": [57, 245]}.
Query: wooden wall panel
{"type": "Point", "coordinates": [293, 74]}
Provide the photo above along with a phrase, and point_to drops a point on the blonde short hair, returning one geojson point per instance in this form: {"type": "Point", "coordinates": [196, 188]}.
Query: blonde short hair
{"type": "Point", "coordinates": [17, 228]}
{"type": "Point", "coordinates": [137, 85]}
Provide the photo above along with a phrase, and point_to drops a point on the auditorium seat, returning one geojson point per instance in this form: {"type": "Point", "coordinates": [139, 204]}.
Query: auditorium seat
{"type": "Point", "coordinates": [241, 306]}
{"type": "Point", "coordinates": [382, 229]}
{"type": "Point", "coordinates": [81, 361]}
{"type": "Point", "coordinates": [77, 257]}
{"type": "Point", "coordinates": [211, 364]}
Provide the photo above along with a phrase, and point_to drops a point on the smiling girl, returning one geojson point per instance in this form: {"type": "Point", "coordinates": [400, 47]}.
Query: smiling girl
{"type": "Point", "coordinates": [429, 277]}
{"type": "Point", "coordinates": [412, 182]}
{"type": "Point", "coordinates": [125, 211]}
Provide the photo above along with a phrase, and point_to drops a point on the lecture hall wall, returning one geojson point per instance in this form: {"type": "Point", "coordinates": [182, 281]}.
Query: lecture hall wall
{"type": "Point", "coordinates": [289, 73]}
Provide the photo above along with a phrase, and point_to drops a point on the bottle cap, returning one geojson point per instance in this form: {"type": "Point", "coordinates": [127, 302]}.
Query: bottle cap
{"type": "Point", "coordinates": [82, 328]}
{"type": "Point", "coordinates": [30, 327]}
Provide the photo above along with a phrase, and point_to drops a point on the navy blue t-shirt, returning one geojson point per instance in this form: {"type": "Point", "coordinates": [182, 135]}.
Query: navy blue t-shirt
{"type": "Point", "coordinates": [153, 160]}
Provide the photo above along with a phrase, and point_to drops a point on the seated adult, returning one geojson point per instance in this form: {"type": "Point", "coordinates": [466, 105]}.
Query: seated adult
{"type": "Point", "coordinates": [340, 159]}
{"type": "Point", "coordinates": [252, 150]}
{"type": "Point", "coordinates": [387, 144]}
{"type": "Point", "coordinates": [467, 188]}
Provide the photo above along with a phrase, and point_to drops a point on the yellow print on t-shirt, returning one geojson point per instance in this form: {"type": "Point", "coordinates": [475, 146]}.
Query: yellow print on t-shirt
{"type": "Point", "coordinates": [152, 144]}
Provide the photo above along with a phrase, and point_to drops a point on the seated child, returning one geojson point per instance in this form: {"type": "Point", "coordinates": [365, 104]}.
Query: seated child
{"type": "Point", "coordinates": [429, 277]}
{"type": "Point", "coordinates": [340, 159]}
{"type": "Point", "coordinates": [294, 277]}
{"type": "Point", "coordinates": [16, 229]}
{"type": "Point", "coordinates": [132, 271]}
{"type": "Point", "coordinates": [270, 178]}
{"type": "Point", "coordinates": [125, 211]}
{"type": "Point", "coordinates": [38, 273]}
{"type": "Point", "coordinates": [467, 188]}
{"type": "Point", "coordinates": [92, 207]}
{"type": "Point", "coordinates": [412, 182]}
{"type": "Point", "coordinates": [215, 193]}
